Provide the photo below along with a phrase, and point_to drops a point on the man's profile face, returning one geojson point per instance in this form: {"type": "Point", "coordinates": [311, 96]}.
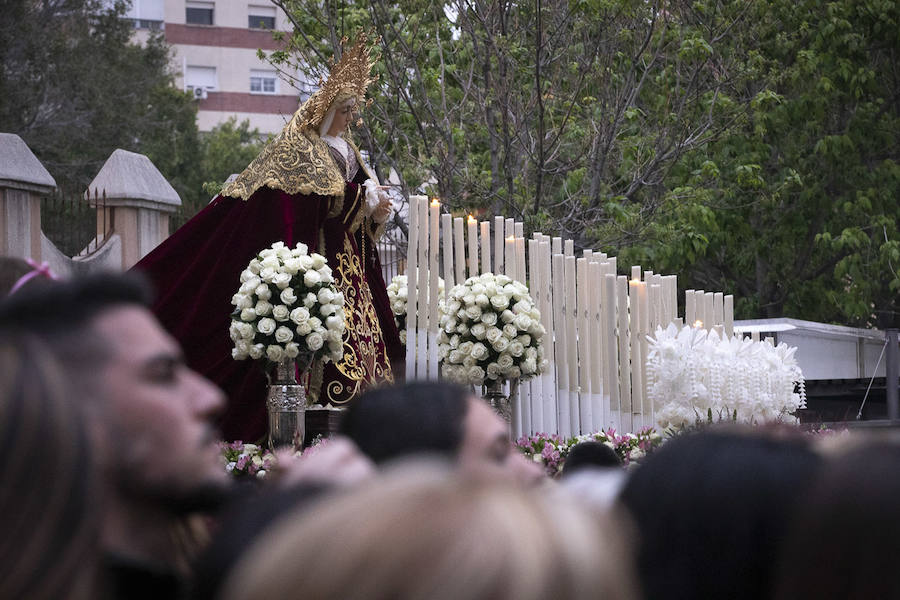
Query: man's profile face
{"type": "Point", "coordinates": [486, 446]}
{"type": "Point", "coordinates": [157, 414]}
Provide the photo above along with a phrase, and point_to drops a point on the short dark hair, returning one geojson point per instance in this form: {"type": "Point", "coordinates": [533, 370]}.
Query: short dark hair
{"type": "Point", "coordinates": [413, 418]}
{"type": "Point", "coordinates": [726, 498]}
{"type": "Point", "coordinates": [585, 455]}
{"type": "Point", "coordinates": [59, 314]}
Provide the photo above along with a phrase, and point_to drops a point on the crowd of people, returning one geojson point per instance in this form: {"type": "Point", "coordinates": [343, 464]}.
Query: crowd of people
{"type": "Point", "coordinates": [113, 486]}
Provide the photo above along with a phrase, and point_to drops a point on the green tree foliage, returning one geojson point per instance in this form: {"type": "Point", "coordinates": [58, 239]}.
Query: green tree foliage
{"type": "Point", "coordinates": [747, 146]}
{"type": "Point", "coordinates": [75, 88]}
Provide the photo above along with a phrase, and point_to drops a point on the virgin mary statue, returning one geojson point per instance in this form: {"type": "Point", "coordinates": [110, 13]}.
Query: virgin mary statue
{"type": "Point", "coordinates": [310, 185]}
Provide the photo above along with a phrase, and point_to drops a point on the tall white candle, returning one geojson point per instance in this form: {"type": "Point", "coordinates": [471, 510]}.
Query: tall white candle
{"type": "Point", "coordinates": [556, 245]}
{"type": "Point", "coordinates": [560, 342]}
{"type": "Point", "coordinates": [472, 232]}
{"type": "Point", "coordinates": [569, 248]}
{"type": "Point", "coordinates": [709, 310]}
{"type": "Point", "coordinates": [585, 406]}
{"type": "Point", "coordinates": [718, 308]}
{"type": "Point", "coordinates": [729, 315]}
{"type": "Point", "coordinates": [622, 418]}
{"type": "Point", "coordinates": [637, 367]}
{"type": "Point", "coordinates": [447, 236]}
{"type": "Point", "coordinates": [499, 236]}
{"type": "Point", "coordinates": [459, 256]}
{"type": "Point", "coordinates": [636, 272]}
{"type": "Point", "coordinates": [519, 229]}
{"type": "Point", "coordinates": [485, 247]}
{"type": "Point", "coordinates": [509, 258]}
{"type": "Point", "coordinates": [412, 271]}
{"type": "Point", "coordinates": [571, 344]}
{"type": "Point", "coordinates": [611, 383]}
{"type": "Point", "coordinates": [424, 312]}
{"type": "Point", "coordinates": [433, 315]}
{"type": "Point", "coordinates": [547, 314]}
{"type": "Point", "coordinates": [520, 260]}
{"type": "Point", "coordinates": [690, 311]}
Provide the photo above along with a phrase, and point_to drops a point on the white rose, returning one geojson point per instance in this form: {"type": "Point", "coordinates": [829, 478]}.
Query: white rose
{"type": "Point", "coordinates": [309, 300]}
{"type": "Point", "coordinates": [514, 372]}
{"type": "Point", "coordinates": [462, 328]}
{"type": "Point", "coordinates": [275, 247]}
{"type": "Point", "coordinates": [305, 262]}
{"type": "Point", "coordinates": [475, 374]}
{"type": "Point", "coordinates": [524, 339]}
{"type": "Point", "coordinates": [505, 362]}
{"type": "Point", "coordinates": [523, 322]}
{"type": "Point", "coordinates": [238, 354]}
{"type": "Point", "coordinates": [456, 356]}
{"type": "Point", "coordinates": [318, 261]}
{"type": "Point", "coordinates": [493, 370]}
{"type": "Point", "coordinates": [529, 366]}
{"type": "Point", "coordinates": [292, 350]}
{"type": "Point", "coordinates": [283, 335]}
{"type": "Point", "coordinates": [274, 353]}
{"type": "Point", "coordinates": [314, 341]}
{"type": "Point", "coordinates": [247, 330]}
{"type": "Point", "coordinates": [325, 296]}
{"type": "Point", "coordinates": [507, 316]}
{"type": "Point", "coordinates": [300, 249]}
{"type": "Point", "coordinates": [247, 275]}
{"type": "Point", "coordinates": [338, 299]}
{"type": "Point", "coordinates": [479, 351]}
{"type": "Point", "coordinates": [241, 301]}
{"type": "Point", "coordinates": [299, 315]}
{"type": "Point", "coordinates": [256, 352]}
{"type": "Point", "coordinates": [263, 292]}
{"type": "Point", "coordinates": [477, 288]}
{"type": "Point", "coordinates": [516, 349]}
{"type": "Point", "coordinates": [325, 272]}
{"type": "Point", "coordinates": [454, 341]}
{"type": "Point", "coordinates": [248, 314]}
{"type": "Point", "coordinates": [482, 301]}
{"type": "Point", "coordinates": [292, 265]}
{"type": "Point", "coordinates": [469, 362]}
{"type": "Point", "coordinates": [315, 323]}
{"type": "Point", "coordinates": [531, 353]}
{"type": "Point", "coordinates": [233, 332]}
{"type": "Point", "coordinates": [335, 323]}
{"type": "Point", "coordinates": [398, 308]}
{"type": "Point", "coordinates": [269, 261]}
{"type": "Point", "coordinates": [282, 280]}
{"type": "Point", "coordinates": [263, 308]}
{"type": "Point", "coordinates": [489, 318]}
{"type": "Point", "coordinates": [522, 306]}
{"type": "Point", "coordinates": [466, 347]}
{"type": "Point", "coordinates": [493, 334]}
{"type": "Point", "coordinates": [403, 293]}
{"type": "Point", "coordinates": [473, 312]}
{"type": "Point", "coordinates": [249, 287]}
{"type": "Point", "coordinates": [311, 278]}
{"type": "Point", "coordinates": [499, 301]}
{"type": "Point", "coordinates": [254, 266]}
{"type": "Point", "coordinates": [510, 331]}
{"type": "Point", "coordinates": [266, 326]}
{"type": "Point", "coordinates": [268, 274]}
{"type": "Point", "coordinates": [288, 296]}
{"type": "Point", "coordinates": [478, 331]}
{"type": "Point", "coordinates": [303, 329]}
{"type": "Point", "coordinates": [501, 344]}
{"type": "Point", "coordinates": [280, 312]}
{"type": "Point", "coordinates": [326, 309]}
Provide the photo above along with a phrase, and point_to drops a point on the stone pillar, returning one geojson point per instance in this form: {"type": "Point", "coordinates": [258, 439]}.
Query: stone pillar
{"type": "Point", "coordinates": [23, 181]}
{"type": "Point", "coordinates": [139, 201]}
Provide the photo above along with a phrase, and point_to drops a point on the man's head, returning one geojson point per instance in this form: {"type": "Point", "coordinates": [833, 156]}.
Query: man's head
{"type": "Point", "coordinates": [435, 418]}
{"type": "Point", "coordinates": [149, 415]}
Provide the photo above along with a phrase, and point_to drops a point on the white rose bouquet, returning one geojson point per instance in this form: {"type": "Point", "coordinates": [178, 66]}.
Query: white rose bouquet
{"type": "Point", "coordinates": [490, 329]}
{"type": "Point", "coordinates": [287, 305]}
{"type": "Point", "coordinates": [398, 294]}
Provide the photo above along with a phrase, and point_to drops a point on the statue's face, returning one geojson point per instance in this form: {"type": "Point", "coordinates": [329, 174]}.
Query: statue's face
{"type": "Point", "coordinates": [345, 113]}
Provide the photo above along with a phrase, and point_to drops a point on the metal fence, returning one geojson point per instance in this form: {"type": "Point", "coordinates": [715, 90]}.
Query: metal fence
{"type": "Point", "coordinates": [76, 224]}
{"type": "Point", "coordinates": [393, 259]}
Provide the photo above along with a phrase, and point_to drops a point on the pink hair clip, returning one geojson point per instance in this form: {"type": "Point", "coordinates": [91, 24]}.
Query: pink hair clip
{"type": "Point", "coordinates": [37, 270]}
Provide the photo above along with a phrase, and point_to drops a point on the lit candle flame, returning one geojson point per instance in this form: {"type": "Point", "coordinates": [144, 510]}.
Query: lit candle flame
{"type": "Point", "coordinates": [471, 219]}
{"type": "Point", "coordinates": [435, 202]}
{"type": "Point", "coordinates": [698, 324]}
{"type": "Point", "coordinates": [635, 281]}
{"type": "Point", "coordinates": [511, 238]}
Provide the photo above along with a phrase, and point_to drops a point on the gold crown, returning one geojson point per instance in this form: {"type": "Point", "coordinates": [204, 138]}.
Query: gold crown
{"type": "Point", "coordinates": [348, 78]}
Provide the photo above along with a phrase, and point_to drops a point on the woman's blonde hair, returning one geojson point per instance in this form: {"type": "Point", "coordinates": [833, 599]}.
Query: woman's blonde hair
{"type": "Point", "coordinates": [421, 533]}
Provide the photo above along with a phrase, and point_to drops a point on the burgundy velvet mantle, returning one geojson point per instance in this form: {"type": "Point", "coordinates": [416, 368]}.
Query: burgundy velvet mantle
{"type": "Point", "coordinates": [197, 270]}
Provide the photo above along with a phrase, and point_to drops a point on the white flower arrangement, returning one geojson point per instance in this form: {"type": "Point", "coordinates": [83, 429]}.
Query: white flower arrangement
{"type": "Point", "coordinates": [398, 294]}
{"type": "Point", "coordinates": [287, 305]}
{"type": "Point", "coordinates": [490, 329]}
{"type": "Point", "coordinates": [694, 376]}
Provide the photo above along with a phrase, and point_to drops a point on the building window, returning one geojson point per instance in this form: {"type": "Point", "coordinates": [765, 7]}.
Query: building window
{"type": "Point", "coordinates": [261, 17]}
{"type": "Point", "coordinates": [146, 14]}
{"type": "Point", "coordinates": [199, 13]}
{"type": "Point", "coordinates": [263, 82]}
{"type": "Point", "coordinates": [200, 78]}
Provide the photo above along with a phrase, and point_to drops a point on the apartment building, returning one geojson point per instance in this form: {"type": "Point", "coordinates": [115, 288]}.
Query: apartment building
{"type": "Point", "coordinates": [215, 45]}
